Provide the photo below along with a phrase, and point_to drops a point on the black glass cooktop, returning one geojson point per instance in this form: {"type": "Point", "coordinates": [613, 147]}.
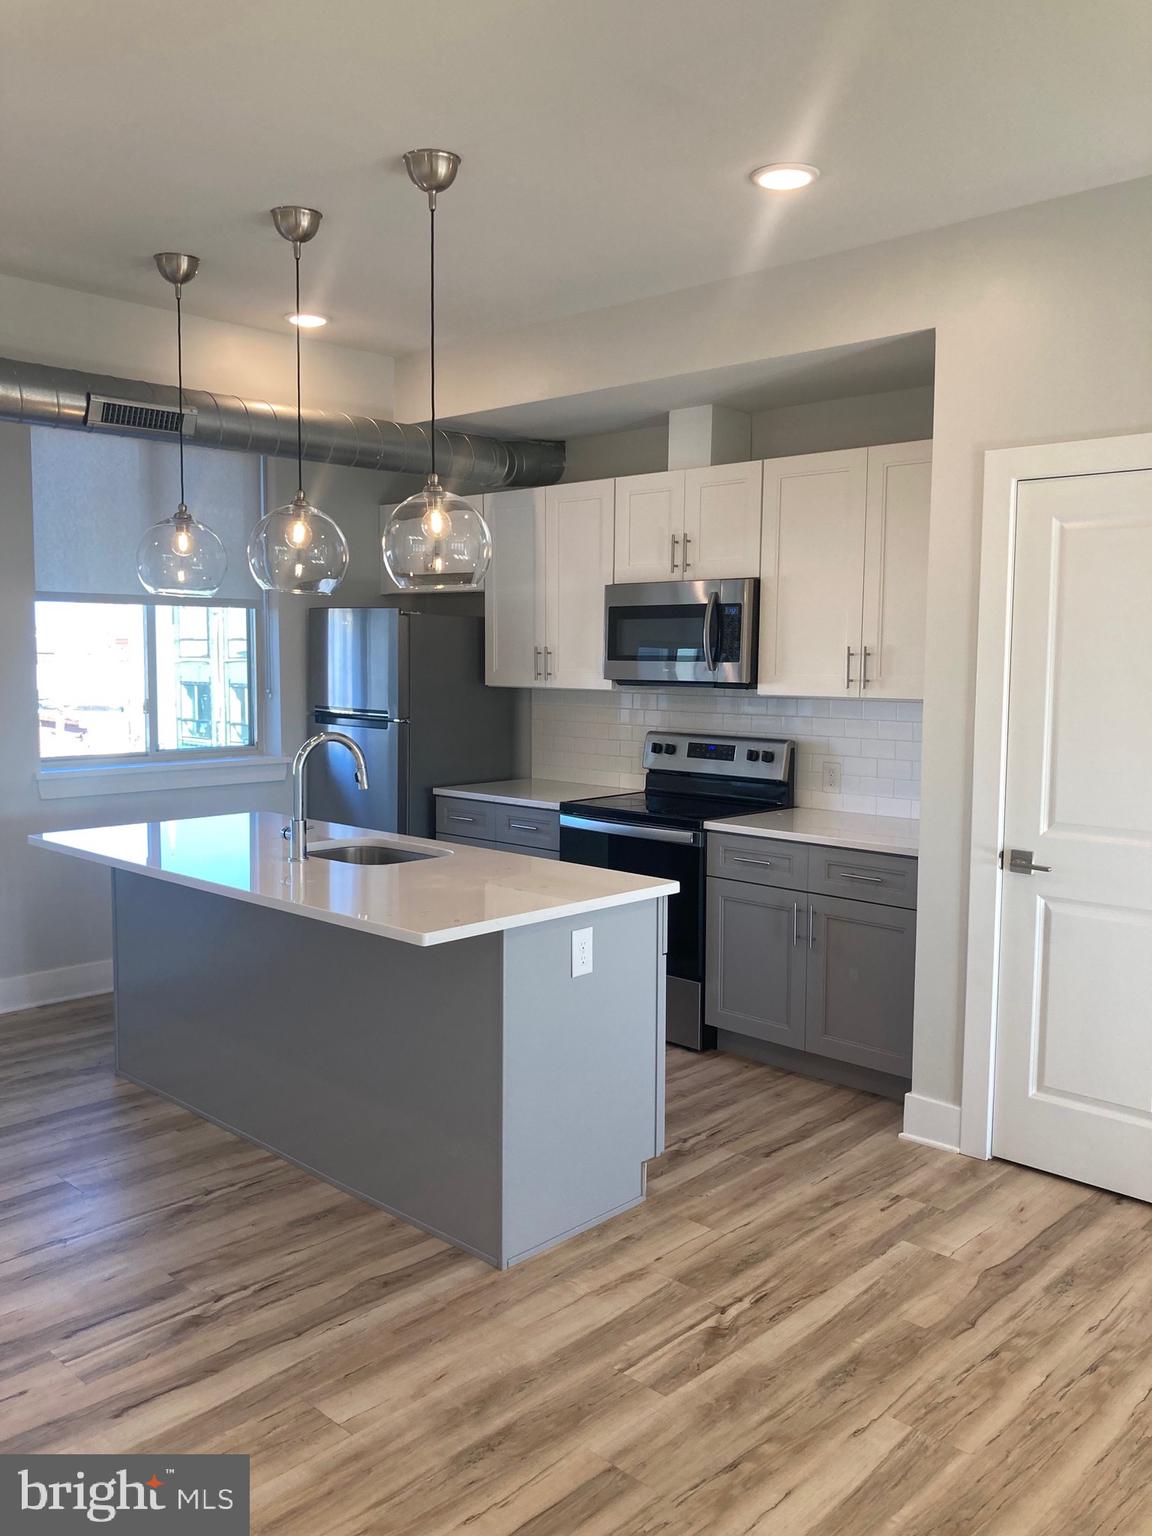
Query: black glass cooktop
{"type": "Point", "coordinates": [675, 810]}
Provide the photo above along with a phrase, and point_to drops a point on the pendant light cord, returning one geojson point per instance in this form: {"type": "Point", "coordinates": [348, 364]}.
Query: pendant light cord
{"type": "Point", "coordinates": [432, 317]}
{"type": "Point", "coordinates": [299, 395]}
{"type": "Point", "coordinates": [180, 384]}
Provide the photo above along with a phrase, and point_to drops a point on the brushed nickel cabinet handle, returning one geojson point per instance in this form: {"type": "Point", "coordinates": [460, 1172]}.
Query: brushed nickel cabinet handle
{"type": "Point", "coordinates": [536, 663]}
{"type": "Point", "coordinates": [455, 816]}
{"type": "Point", "coordinates": [811, 926]}
{"type": "Point", "coordinates": [740, 859]}
{"type": "Point", "coordinates": [687, 540]}
{"type": "Point", "coordinates": [867, 879]}
{"type": "Point", "coordinates": [675, 541]}
{"type": "Point", "coordinates": [524, 826]}
{"type": "Point", "coordinates": [848, 668]}
{"type": "Point", "coordinates": [864, 669]}
{"type": "Point", "coordinates": [795, 923]}
{"type": "Point", "coordinates": [547, 663]}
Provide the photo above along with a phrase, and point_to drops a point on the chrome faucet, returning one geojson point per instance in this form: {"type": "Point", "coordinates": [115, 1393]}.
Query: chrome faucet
{"type": "Point", "coordinates": [298, 831]}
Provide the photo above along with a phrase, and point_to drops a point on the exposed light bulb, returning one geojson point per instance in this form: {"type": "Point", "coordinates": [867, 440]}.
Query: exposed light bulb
{"type": "Point", "coordinates": [182, 576]}
{"type": "Point", "coordinates": [438, 564]}
{"type": "Point", "coordinates": [436, 523]}
{"type": "Point", "coordinates": [300, 532]}
{"type": "Point", "coordinates": [182, 541]}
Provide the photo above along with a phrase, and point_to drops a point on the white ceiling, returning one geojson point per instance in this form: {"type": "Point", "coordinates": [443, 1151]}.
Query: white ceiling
{"type": "Point", "coordinates": [605, 142]}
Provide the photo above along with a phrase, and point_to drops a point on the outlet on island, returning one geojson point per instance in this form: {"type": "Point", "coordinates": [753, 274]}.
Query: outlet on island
{"type": "Point", "coordinates": [582, 952]}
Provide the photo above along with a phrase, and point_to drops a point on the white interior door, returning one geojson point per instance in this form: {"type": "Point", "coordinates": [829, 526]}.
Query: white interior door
{"type": "Point", "coordinates": [1073, 1086]}
{"type": "Point", "coordinates": [578, 539]}
{"type": "Point", "coordinates": [514, 592]}
{"type": "Point", "coordinates": [722, 521]}
{"type": "Point", "coordinates": [812, 574]}
{"type": "Point", "coordinates": [650, 526]}
{"type": "Point", "coordinates": [896, 571]}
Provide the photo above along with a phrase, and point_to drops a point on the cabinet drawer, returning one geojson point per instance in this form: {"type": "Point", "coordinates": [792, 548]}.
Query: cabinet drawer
{"type": "Point", "coordinates": [887, 878]}
{"type": "Point", "coordinates": [465, 818]}
{"type": "Point", "coordinates": [528, 853]}
{"type": "Point", "coordinates": [759, 860]}
{"type": "Point", "coordinates": [526, 827]}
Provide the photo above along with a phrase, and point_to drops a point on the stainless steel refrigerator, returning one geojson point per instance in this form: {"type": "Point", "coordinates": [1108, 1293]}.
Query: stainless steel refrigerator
{"type": "Point", "coordinates": [409, 689]}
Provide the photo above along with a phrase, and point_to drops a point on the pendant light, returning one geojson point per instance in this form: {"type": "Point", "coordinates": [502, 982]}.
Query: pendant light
{"type": "Point", "coordinates": [180, 557]}
{"type": "Point", "coordinates": [297, 549]}
{"type": "Point", "coordinates": [435, 541]}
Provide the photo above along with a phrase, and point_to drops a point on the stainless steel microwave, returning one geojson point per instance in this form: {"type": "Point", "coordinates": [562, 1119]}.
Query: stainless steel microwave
{"type": "Point", "coordinates": [682, 632]}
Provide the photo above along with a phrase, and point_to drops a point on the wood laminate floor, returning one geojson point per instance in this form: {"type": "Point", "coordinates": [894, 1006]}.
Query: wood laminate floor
{"type": "Point", "coordinates": [809, 1329]}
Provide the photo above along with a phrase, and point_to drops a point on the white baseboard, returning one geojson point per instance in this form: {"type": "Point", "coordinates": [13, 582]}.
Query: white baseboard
{"type": "Point", "coordinates": [55, 986]}
{"type": "Point", "coordinates": [932, 1122]}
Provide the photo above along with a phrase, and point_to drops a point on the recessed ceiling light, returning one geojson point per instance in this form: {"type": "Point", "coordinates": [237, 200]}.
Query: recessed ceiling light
{"type": "Point", "coordinates": [307, 322]}
{"type": "Point", "coordinates": [784, 176]}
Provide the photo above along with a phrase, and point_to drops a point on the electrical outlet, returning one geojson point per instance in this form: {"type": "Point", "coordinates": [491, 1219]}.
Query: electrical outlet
{"type": "Point", "coordinates": [833, 776]}
{"type": "Point", "coordinates": [582, 952]}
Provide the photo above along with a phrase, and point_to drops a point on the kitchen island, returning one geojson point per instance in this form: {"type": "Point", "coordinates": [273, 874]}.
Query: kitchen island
{"type": "Point", "coordinates": [411, 1031]}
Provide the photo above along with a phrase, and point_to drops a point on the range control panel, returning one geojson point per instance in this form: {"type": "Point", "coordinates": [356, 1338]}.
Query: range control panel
{"type": "Point", "coordinates": [744, 757]}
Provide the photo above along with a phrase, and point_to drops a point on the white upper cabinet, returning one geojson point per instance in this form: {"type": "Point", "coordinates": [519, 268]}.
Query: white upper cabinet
{"type": "Point", "coordinates": [812, 574]}
{"type": "Point", "coordinates": [844, 571]}
{"type": "Point", "coordinates": [552, 553]}
{"type": "Point", "coordinates": [689, 525]}
{"type": "Point", "coordinates": [578, 524]}
{"type": "Point", "coordinates": [896, 571]}
{"type": "Point", "coordinates": [514, 590]}
{"type": "Point", "coordinates": [650, 527]}
{"type": "Point", "coordinates": [722, 521]}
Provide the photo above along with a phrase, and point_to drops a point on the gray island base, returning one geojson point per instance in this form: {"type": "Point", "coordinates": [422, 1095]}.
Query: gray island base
{"type": "Point", "coordinates": [475, 1089]}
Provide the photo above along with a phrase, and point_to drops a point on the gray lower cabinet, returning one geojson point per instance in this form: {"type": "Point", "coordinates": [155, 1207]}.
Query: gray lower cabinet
{"type": "Point", "coordinates": [860, 973]}
{"type": "Point", "coordinates": [796, 967]}
{"type": "Point", "coordinates": [756, 965]}
{"type": "Point", "coordinates": [494, 824]}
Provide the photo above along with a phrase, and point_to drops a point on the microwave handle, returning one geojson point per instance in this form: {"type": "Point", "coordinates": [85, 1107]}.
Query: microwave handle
{"type": "Point", "coordinates": [709, 615]}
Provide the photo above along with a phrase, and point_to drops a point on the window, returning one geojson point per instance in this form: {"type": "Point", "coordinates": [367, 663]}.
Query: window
{"type": "Point", "coordinates": [139, 678]}
{"type": "Point", "coordinates": [122, 676]}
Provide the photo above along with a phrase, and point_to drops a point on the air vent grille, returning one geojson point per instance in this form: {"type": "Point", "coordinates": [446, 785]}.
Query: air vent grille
{"type": "Point", "coordinates": [132, 416]}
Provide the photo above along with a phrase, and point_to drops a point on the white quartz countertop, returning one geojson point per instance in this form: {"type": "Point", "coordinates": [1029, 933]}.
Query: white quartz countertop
{"type": "Point", "coordinates": [835, 829]}
{"type": "Point", "coordinates": [456, 894]}
{"type": "Point", "coordinates": [540, 794]}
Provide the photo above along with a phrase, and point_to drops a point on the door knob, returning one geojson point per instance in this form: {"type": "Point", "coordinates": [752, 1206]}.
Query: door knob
{"type": "Point", "coordinates": [1020, 862]}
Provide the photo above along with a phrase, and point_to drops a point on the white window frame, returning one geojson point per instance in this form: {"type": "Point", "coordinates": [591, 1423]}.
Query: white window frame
{"type": "Point", "coordinates": [173, 768]}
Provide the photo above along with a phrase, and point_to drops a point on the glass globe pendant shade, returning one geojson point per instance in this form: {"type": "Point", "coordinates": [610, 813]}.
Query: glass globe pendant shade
{"type": "Point", "coordinates": [181, 558]}
{"type": "Point", "coordinates": [297, 549]}
{"type": "Point", "coordinates": [436, 542]}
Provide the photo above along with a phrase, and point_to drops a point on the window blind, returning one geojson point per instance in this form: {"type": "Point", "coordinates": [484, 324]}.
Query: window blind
{"type": "Point", "coordinates": [93, 495]}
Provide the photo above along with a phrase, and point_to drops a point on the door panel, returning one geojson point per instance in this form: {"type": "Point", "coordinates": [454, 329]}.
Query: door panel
{"type": "Point", "coordinates": [861, 973]}
{"type": "Point", "coordinates": [722, 521]}
{"type": "Point", "coordinates": [649, 516]}
{"type": "Point", "coordinates": [514, 597]}
{"type": "Point", "coordinates": [578, 537]}
{"type": "Point", "coordinates": [812, 574]}
{"type": "Point", "coordinates": [896, 570]}
{"type": "Point", "coordinates": [756, 961]}
{"type": "Point", "coordinates": [1074, 1047]}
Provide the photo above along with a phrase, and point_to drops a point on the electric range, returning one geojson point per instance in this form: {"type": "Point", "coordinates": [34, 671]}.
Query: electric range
{"type": "Point", "coordinates": [691, 778]}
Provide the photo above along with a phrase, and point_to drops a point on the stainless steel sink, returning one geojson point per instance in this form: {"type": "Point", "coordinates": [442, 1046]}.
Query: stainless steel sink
{"type": "Point", "coordinates": [369, 853]}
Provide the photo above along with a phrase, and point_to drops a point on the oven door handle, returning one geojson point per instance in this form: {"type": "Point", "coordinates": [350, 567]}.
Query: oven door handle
{"type": "Point", "coordinates": [631, 829]}
{"type": "Point", "coordinates": [709, 615]}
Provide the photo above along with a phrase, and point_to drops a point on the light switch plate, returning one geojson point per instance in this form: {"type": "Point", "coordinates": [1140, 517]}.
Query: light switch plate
{"type": "Point", "coordinates": [581, 951]}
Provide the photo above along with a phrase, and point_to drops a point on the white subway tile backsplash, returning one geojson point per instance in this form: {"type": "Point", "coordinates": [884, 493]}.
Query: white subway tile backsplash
{"type": "Point", "coordinates": [597, 738]}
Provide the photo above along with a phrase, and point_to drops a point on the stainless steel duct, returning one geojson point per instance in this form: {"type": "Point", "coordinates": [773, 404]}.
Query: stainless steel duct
{"type": "Point", "coordinates": [58, 397]}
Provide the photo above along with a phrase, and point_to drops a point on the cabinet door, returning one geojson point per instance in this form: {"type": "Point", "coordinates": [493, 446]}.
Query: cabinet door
{"type": "Point", "coordinates": [861, 967]}
{"type": "Point", "coordinates": [514, 592]}
{"type": "Point", "coordinates": [722, 521]}
{"type": "Point", "coordinates": [756, 961]}
{"type": "Point", "coordinates": [650, 527]}
{"type": "Point", "coordinates": [812, 574]}
{"type": "Point", "coordinates": [896, 570]}
{"type": "Point", "coordinates": [578, 542]}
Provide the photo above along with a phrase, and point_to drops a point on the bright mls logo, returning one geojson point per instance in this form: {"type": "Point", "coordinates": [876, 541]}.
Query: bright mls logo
{"type": "Point", "coordinates": [206, 1495]}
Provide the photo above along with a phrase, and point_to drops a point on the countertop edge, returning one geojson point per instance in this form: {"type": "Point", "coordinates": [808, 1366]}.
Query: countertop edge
{"type": "Point", "coordinates": [425, 940]}
{"type": "Point", "coordinates": [596, 792]}
{"type": "Point", "coordinates": [859, 842]}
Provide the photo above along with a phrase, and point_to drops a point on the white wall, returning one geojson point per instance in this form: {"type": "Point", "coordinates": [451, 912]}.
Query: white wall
{"type": "Point", "coordinates": [1042, 319]}
{"type": "Point", "coordinates": [857, 421]}
{"type": "Point", "coordinates": [632, 451]}
{"type": "Point", "coordinates": [54, 911]}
